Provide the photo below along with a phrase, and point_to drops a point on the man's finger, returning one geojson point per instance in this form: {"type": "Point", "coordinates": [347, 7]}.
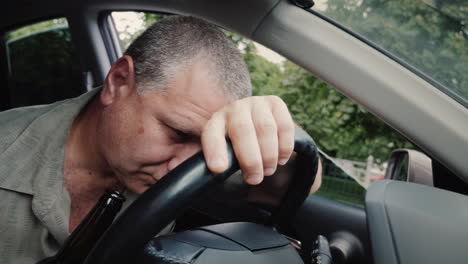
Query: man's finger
{"type": "Point", "coordinates": [285, 128]}
{"type": "Point", "coordinates": [214, 143]}
{"type": "Point", "coordinates": [266, 129]}
{"type": "Point", "coordinates": [241, 131]}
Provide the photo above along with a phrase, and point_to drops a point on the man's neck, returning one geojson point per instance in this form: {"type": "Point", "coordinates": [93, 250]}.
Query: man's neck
{"type": "Point", "coordinates": [87, 174]}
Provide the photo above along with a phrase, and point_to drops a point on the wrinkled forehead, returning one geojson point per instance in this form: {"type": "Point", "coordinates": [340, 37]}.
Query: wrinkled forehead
{"type": "Point", "coordinates": [190, 99]}
{"type": "Point", "coordinates": [197, 84]}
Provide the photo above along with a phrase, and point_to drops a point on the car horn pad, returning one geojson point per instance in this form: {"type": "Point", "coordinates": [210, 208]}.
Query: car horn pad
{"type": "Point", "coordinates": [246, 243]}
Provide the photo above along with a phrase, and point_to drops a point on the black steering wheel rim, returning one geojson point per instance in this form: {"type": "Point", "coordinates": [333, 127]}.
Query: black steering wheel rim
{"type": "Point", "coordinates": [164, 201]}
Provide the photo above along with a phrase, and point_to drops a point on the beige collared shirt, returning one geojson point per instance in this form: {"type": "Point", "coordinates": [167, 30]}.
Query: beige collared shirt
{"type": "Point", "coordinates": [34, 203]}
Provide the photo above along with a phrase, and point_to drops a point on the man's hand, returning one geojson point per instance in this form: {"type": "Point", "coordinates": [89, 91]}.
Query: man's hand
{"type": "Point", "coordinates": [261, 131]}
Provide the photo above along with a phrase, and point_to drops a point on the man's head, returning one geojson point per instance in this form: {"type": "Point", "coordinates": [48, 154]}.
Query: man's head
{"type": "Point", "coordinates": [158, 97]}
{"type": "Point", "coordinates": [175, 43]}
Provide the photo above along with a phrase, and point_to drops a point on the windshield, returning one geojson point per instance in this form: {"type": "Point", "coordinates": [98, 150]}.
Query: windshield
{"type": "Point", "coordinates": [429, 37]}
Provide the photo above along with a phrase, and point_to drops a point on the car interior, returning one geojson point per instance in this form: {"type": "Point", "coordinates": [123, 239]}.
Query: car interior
{"type": "Point", "coordinates": [420, 218]}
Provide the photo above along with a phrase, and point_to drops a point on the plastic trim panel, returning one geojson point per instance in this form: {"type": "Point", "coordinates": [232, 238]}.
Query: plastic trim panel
{"type": "Point", "coordinates": [413, 223]}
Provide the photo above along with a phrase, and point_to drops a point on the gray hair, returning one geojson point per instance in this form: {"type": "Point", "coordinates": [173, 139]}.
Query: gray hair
{"type": "Point", "coordinates": [175, 43]}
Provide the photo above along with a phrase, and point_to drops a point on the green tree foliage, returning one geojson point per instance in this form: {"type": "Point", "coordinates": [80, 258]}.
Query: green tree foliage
{"type": "Point", "coordinates": [42, 61]}
{"type": "Point", "coordinates": [132, 27]}
{"type": "Point", "coordinates": [151, 18]}
{"type": "Point", "coordinates": [340, 127]}
{"type": "Point", "coordinates": [36, 28]}
{"type": "Point", "coordinates": [430, 34]}
{"type": "Point", "coordinates": [41, 65]}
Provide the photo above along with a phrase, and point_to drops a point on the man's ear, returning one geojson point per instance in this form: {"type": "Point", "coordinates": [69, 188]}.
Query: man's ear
{"type": "Point", "coordinates": [120, 81]}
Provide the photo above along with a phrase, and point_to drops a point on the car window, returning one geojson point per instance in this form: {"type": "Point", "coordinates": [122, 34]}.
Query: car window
{"type": "Point", "coordinates": [354, 145]}
{"type": "Point", "coordinates": [42, 64]}
{"type": "Point", "coordinates": [429, 37]}
{"type": "Point", "coordinates": [131, 24]}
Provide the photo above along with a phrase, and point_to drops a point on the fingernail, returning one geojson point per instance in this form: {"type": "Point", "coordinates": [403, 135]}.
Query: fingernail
{"type": "Point", "coordinates": [254, 179]}
{"type": "Point", "coordinates": [282, 161]}
{"type": "Point", "coordinates": [268, 171]}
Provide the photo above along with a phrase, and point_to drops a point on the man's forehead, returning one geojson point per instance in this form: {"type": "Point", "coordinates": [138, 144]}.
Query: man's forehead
{"type": "Point", "coordinates": [190, 113]}
{"type": "Point", "coordinates": [197, 86]}
{"type": "Point", "coordinates": [189, 101]}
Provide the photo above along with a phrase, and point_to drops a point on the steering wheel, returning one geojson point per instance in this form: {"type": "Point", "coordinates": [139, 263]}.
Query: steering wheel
{"type": "Point", "coordinates": [167, 199]}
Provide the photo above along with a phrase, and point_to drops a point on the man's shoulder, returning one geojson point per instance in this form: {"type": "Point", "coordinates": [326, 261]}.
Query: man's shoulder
{"type": "Point", "coordinates": [23, 115]}
{"type": "Point", "coordinates": [44, 118]}
{"type": "Point", "coordinates": [16, 121]}
{"type": "Point", "coordinates": [32, 141]}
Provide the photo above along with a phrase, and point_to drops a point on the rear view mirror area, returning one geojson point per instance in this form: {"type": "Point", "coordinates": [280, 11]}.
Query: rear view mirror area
{"type": "Point", "coordinates": [414, 166]}
{"type": "Point", "coordinates": [411, 166]}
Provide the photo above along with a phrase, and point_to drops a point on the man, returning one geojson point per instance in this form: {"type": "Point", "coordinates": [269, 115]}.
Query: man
{"type": "Point", "coordinates": [180, 88]}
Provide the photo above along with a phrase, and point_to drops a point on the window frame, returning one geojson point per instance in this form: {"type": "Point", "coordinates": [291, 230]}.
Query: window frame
{"type": "Point", "coordinates": [408, 66]}
{"type": "Point", "coordinates": [110, 36]}
{"type": "Point", "coordinates": [5, 68]}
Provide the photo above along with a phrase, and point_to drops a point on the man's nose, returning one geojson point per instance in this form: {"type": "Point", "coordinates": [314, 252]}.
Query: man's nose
{"type": "Point", "coordinates": [182, 153]}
